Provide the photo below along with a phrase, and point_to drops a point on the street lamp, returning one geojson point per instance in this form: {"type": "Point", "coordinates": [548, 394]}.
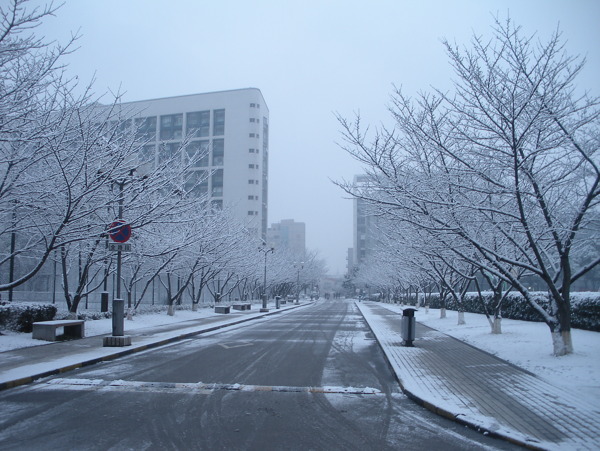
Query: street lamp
{"type": "Point", "coordinates": [266, 251]}
{"type": "Point", "coordinates": [299, 266]}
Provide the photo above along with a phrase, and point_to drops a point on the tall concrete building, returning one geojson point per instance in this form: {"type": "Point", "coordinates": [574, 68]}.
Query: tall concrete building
{"type": "Point", "coordinates": [365, 229]}
{"type": "Point", "coordinates": [232, 127]}
{"type": "Point", "coordinates": [289, 235]}
{"type": "Point", "coordinates": [350, 260]}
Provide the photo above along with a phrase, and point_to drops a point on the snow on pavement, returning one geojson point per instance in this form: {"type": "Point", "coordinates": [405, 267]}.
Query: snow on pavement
{"type": "Point", "coordinates": [527, 345]}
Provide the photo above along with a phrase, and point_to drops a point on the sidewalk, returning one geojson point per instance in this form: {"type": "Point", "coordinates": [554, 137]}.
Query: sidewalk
{"type": "Point", "coordinates": [471, 386]}
{"type": "Point", "coordinates": [22, 366]}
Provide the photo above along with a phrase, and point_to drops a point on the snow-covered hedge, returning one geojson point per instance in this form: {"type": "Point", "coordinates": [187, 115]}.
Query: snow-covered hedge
{"type": "Point", "coordinates": [20, 316]}
{"type": "Point", "coordinates": [585, 307]}
{"type": "Point", "coordinates": [86, 316]}
{"type": "Point", "coordinates": [89, 315]}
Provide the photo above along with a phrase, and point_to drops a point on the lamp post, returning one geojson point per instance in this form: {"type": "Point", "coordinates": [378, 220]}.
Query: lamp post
{"type": "Point", "coordinates": [266, 251]}
{"type": "Point", "coordinates": [299, 266]}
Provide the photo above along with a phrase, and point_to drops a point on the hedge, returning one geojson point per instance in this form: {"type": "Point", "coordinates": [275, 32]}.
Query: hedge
{"type": "Point", "coordinates": [585, 307]}
{"type": "Point", "coordinates": [20, 317]}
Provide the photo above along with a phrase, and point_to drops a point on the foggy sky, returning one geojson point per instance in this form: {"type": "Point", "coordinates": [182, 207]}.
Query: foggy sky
{"type": "Point", "coordinates": [311, 59]}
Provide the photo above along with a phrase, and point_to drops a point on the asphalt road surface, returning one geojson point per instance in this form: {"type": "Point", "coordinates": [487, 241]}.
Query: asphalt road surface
{"type": "Point", "coordinates": [312, 378]}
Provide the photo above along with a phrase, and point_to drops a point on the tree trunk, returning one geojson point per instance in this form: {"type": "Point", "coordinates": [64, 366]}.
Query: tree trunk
{"type": "Point", "coordinates": [171, 310]}
{"type": "Point", "coordinates": [562, 343]}
{"type": "Point", "coordinates": [497, 325]}
{"type": "Point", "coordinates": [461, 318]}
{"type": "Point", "coordinates": [194, 306]}
{"type": "Point", "coordinates": [442, 312]}
{"type": "Point", "coordinates": [561, 333]}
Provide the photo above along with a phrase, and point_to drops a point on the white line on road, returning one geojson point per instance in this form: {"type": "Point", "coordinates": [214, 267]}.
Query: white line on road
{"type": "Point", "coordinates": [200, 387]}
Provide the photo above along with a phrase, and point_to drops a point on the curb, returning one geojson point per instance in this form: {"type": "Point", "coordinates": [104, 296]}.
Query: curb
{"type": "Point", "coordinates": [443, 412]}
{"type": "Point", "coordinates": [133, 349]}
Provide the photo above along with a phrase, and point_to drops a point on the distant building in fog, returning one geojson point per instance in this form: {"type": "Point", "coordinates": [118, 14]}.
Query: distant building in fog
{"type": "Point", "coordinates": [350, 260]}
{"type": "Point", "coordinates": [365, 232]}
{"type": "Point", "coordinates": [288, 234]}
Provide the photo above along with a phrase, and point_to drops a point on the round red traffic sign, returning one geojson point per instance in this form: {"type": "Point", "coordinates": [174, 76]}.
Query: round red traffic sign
{"type": "Point", "coordinates": [119, 231]}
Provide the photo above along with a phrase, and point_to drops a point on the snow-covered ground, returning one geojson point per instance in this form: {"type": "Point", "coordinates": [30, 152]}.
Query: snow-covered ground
{"type": "Point", "coordinates": [527, 345]}
{"type": "Point", "coordinates": [14, 340]}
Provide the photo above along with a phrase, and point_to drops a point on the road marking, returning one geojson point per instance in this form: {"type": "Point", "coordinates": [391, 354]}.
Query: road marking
{"type": "Point", "coordinates": [235, 344]}
{"type": "Point", "coordinates": [198, 388]}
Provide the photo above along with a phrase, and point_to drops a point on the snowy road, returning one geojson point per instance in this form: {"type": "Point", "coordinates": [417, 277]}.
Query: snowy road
{"type": "Point", "coordinates": [313, 378]}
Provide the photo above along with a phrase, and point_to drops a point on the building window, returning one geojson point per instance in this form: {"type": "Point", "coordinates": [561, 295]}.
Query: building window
{"type": "Point", "coordinates": [168, 151]}
{"type": "Point", "coordinates": [216, 204]}
{"type": "Point", "coordinates": [197, 183]}
{"type": "Point", "coordinates": [218, 122]}
{"type": "Point", "coordinates": [146, 153]}
{"type": "Point", "coordinates": [251, 182]}
{"type": "Point", "coordinates": [251, 166]}
{"type": "Point", "coordinates": [252, 151]}
{"type": "Point", "coordinates": [171, 127]}
{"type": "Point", "coordinates": [252, 119]}
{"type": "Point", "coordinates": [121, 128]}
{"type": "Point", "coordinates": [145, 128]}
{"type": "Point", "coordinates": [218, 152]}
{"type": "Point", "coordinates": [253, 105]}
{"type": "Point", "coordinates": [252, 135]}
{"type": "Point", "coordinates": [197, 153]}
{"type": "Point", "coordinates": [217, 183]}
{"type": "Point", "coordinates": [198, 124]}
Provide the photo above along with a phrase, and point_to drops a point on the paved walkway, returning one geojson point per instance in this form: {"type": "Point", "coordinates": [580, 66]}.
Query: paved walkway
{"type": "Point", "coordinates": [461, 382]}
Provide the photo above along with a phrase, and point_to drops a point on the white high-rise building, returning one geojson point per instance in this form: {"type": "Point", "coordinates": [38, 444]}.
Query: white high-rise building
{"type": "Point", "coordinates": [233, 126]}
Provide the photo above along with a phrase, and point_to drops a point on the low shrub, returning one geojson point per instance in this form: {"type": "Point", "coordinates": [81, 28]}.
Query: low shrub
{"type": "Point", "coordinates": [20, 317]}
{"type": "Point", "coordinates": [585, 307]}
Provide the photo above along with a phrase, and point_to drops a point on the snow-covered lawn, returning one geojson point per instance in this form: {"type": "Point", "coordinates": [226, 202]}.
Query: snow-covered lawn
{"type": "Point", "coordinates": [527, 345]}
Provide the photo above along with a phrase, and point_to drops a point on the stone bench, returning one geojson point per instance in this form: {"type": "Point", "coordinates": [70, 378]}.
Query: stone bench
{"type": "Point", "coordinates": [46, 330]}
{"type": "Point", "coordinates": [242, 306]}
{"type": "Point", "coordinates": [222, 309]}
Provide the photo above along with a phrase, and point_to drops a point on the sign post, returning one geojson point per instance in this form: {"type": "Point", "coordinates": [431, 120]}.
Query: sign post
{"type": "Point", "coordinates": [119, 232]}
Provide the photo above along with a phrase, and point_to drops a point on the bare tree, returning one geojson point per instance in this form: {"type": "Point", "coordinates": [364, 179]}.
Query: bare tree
{"type": "Point", "coordinates": [510, 157]}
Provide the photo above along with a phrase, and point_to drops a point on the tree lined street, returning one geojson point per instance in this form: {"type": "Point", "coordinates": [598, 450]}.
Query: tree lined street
{"type": "Point", "coordinates": [480, 196]}
{"type": "Point", "coordinates": [284, 365]}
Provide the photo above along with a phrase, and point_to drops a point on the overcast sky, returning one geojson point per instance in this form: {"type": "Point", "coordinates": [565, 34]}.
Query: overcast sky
{"type": "Point", "coordinates": [311, 59]}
